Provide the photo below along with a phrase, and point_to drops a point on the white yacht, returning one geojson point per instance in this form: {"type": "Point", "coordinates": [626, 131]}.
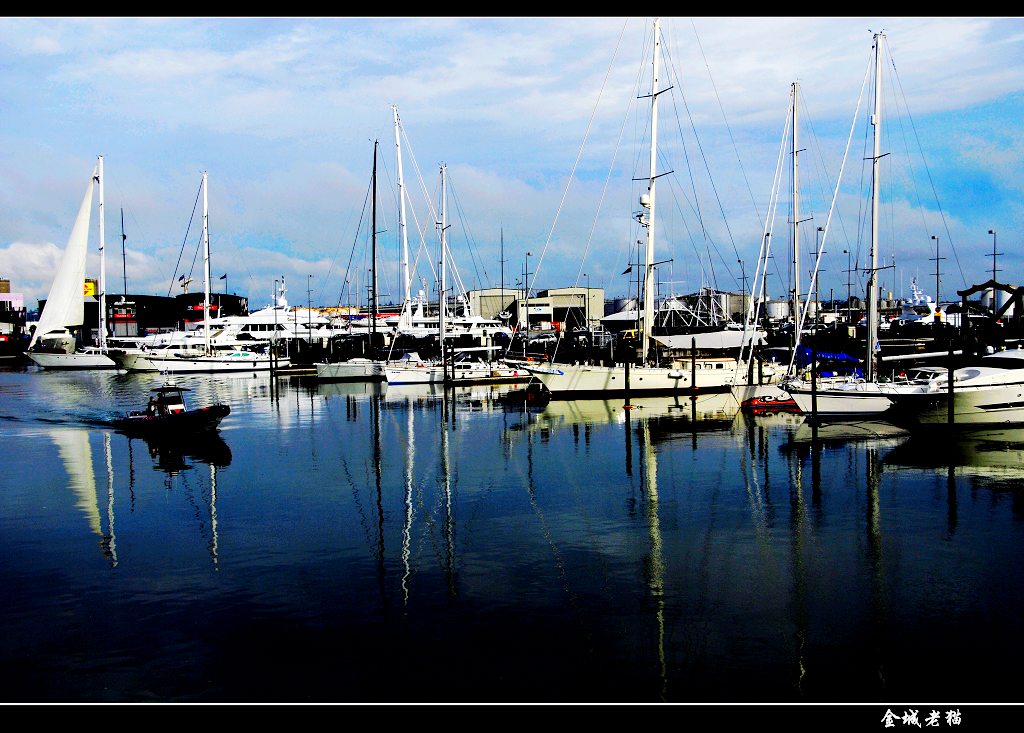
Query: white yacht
{"type": "Point", "coordinates": [209, 359]}
{"type": "Point", "coordinates": [991, 393]}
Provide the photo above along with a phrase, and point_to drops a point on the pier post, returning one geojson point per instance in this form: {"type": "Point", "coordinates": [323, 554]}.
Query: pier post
{"type": "Point", "coordinates": [628, 359]}
{"type": "Point", "coordinates": [949, 387]}
{"type": "Point", "coordinates": [814, 382]}
{"type": "Point", "coordinates": [693, 369]}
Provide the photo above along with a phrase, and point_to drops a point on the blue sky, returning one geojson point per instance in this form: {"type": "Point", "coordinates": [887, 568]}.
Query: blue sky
{"type": "Point", "coordinates": [283, 113]}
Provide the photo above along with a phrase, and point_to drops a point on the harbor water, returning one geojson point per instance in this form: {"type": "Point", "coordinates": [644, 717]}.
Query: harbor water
{"type": "Point", "coordinates": [356, 542]}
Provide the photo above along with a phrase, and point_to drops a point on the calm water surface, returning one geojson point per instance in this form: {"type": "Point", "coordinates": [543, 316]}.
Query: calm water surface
{"type": "Point", "coordinates": [354, 542]}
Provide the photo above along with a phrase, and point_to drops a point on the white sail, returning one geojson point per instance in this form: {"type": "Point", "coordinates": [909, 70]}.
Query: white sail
{"type": "Point", "coordinates": [65, 302]}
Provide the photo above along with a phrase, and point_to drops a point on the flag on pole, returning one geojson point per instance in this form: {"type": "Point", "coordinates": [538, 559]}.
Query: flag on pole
{"type": "Point", "coordinates": [181, 278]}
{"type": "Point", "coordinates": [627, 270]}
{"type": "Point", "coordinates": [223, 277]}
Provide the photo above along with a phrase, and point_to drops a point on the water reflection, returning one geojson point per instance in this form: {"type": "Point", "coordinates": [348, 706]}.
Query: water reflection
{"type": "Point", "coordinates": [169, 452]}
{"type": "Point", "coordinates": [706, 411]}
{"type": "Point", "coordinates": [76, 453]}
{"type": "Point", "coordinates": [986, 454]}
{"type": "Point", "coordinates": [73, 447]}
{"type": "Point", "coordinates": [654, 569]}
{"type": "Point", "coordinates": [676, 551]}
{"type": "Point", "coordinates": [992, 459]}
{"type": "Point", "coordinates": [874, 432]}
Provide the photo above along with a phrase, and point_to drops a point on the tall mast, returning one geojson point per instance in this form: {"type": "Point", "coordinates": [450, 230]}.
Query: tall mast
{"type": "Point", "coordinates": [796, 222]}
{"type": "Point", "coordinates": [444, 252]}
{"type": "Point", "coordinates": [373, 252]}
{"type": "Point", "coordinates": [124, 263]}
{"type": "Point", "coordinates": [649, 255]}
{"type": "Point", "coordinates": [103, 263]}
{"type": "Point", "coordinates": [876, 123]}
{"type": "Point", "coordinates": [406, 283]}
{"type": "Point", "coordinates": [206, 267]}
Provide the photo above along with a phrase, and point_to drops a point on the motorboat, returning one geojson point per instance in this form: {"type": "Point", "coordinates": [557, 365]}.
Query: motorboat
{"type": "Point", "coordinates": [990, 393]}
{"type": "Point", "coordinates": [167, 414]}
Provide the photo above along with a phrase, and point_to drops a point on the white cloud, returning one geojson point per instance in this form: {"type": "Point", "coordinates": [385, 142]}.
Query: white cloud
{"type": "Point", "coordinates": [282, 112]}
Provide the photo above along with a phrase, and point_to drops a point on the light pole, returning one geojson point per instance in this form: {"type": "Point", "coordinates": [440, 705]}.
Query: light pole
{"type": "Point", "coordinates": [848, 271]}
{"type": "Point", "coordinates": [273, 340]}
{"type": "Point", "coordinates": [586, 303]}
{"type": "Point", "coordinates": [525, 283]}
{"type": "Point", "coordinates": [937, 258]}
{"type": "Point", "coordinates": [994, 269]}
{"type": "Point", "coordinates": [817, 280]}
{"type": "Point", "coordinates": [743, 287]}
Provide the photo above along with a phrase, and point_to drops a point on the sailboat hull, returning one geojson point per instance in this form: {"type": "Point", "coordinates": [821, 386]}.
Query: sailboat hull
{"type": "Point", "coordinates": [356, 370]}
{"type": "Point", "coordinates": [857, 400]}
{"type": "Point", "coordinates": [232, 362]}
{"type": "Point", "coordinates": [580, 380]}
{"type": "Point", "coordinates": [422, 374]}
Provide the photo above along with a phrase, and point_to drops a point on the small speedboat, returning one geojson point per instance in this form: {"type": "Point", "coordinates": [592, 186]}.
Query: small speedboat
{"type": "Point", "coordinates": [166, 414]}
{"type": "Point", "coordinates": [767, 404]}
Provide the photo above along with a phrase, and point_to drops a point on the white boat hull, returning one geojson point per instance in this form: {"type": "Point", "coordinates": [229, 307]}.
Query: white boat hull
{"type": "Point", "coordinates": [231, 362]}
{"type": "Point", "coordinates": [487, 372]}
{"type": "Point", "coordinates": [848, 399]}
{"type": "Point", "coordinates": [982, 405]}
{"type": "Point", "coordinates": [353, 369]}
{"type": "Point", "coordinates": [133, 360]}
{"type": "Point", "coordinates": [726, 338]}
{"type": "Point", "coordinates": [423, 374]}
{"type": "Point", "coordinates": [76, 360]}
{"type": "Point", "coordinates": [578, 380]}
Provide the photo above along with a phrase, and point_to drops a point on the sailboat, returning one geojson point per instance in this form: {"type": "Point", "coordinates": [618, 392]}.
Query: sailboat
{"type": "Point", "coordinates": [414, 321]}
{"type": "Point", "coordinates": [850, 397]}
{"type": "Point", "coordinates": [410, 369]}
{"type": "Point", "coordinates": [680, 376]}
{"type": "Point", "coordinates": [239, 360]}
{"type": "Point", "coordinates": [360, 368]}
{"type": "Point", "coordinates": [53, 344]}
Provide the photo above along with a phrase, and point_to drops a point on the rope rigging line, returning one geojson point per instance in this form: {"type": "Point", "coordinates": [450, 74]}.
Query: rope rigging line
{"type": "Point", "coordinates": [429, 197]}
{"type": "Point", "coordinates": [611, 167]}
{"type": "Point", "coordinates": [823, 168]}
{"type": "Point", "coordinates": [942, 215]}
{"type": "Point", "coordinates": [351, 256]}
{"type": "Point", "coordinates": [469, 237]}
{"type": "Point", "coordinates": [700, 46]}
{"type": "Point", "coordinates": [528, 284]}
{"type": "Point", "coordinates": [711, 179]}
{"type": "Point", "coordinates": [185, 240]}
{"type": "Point", "coordinates": [824, 236]}
{"type": "Point", "coordinates": [572, 173]}
{"type": "Point", "coordinates": [761, 269]}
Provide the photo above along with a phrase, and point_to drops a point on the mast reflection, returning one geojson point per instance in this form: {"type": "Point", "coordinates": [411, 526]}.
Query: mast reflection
{"type": "Point", "coordinates": [655, 563]}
